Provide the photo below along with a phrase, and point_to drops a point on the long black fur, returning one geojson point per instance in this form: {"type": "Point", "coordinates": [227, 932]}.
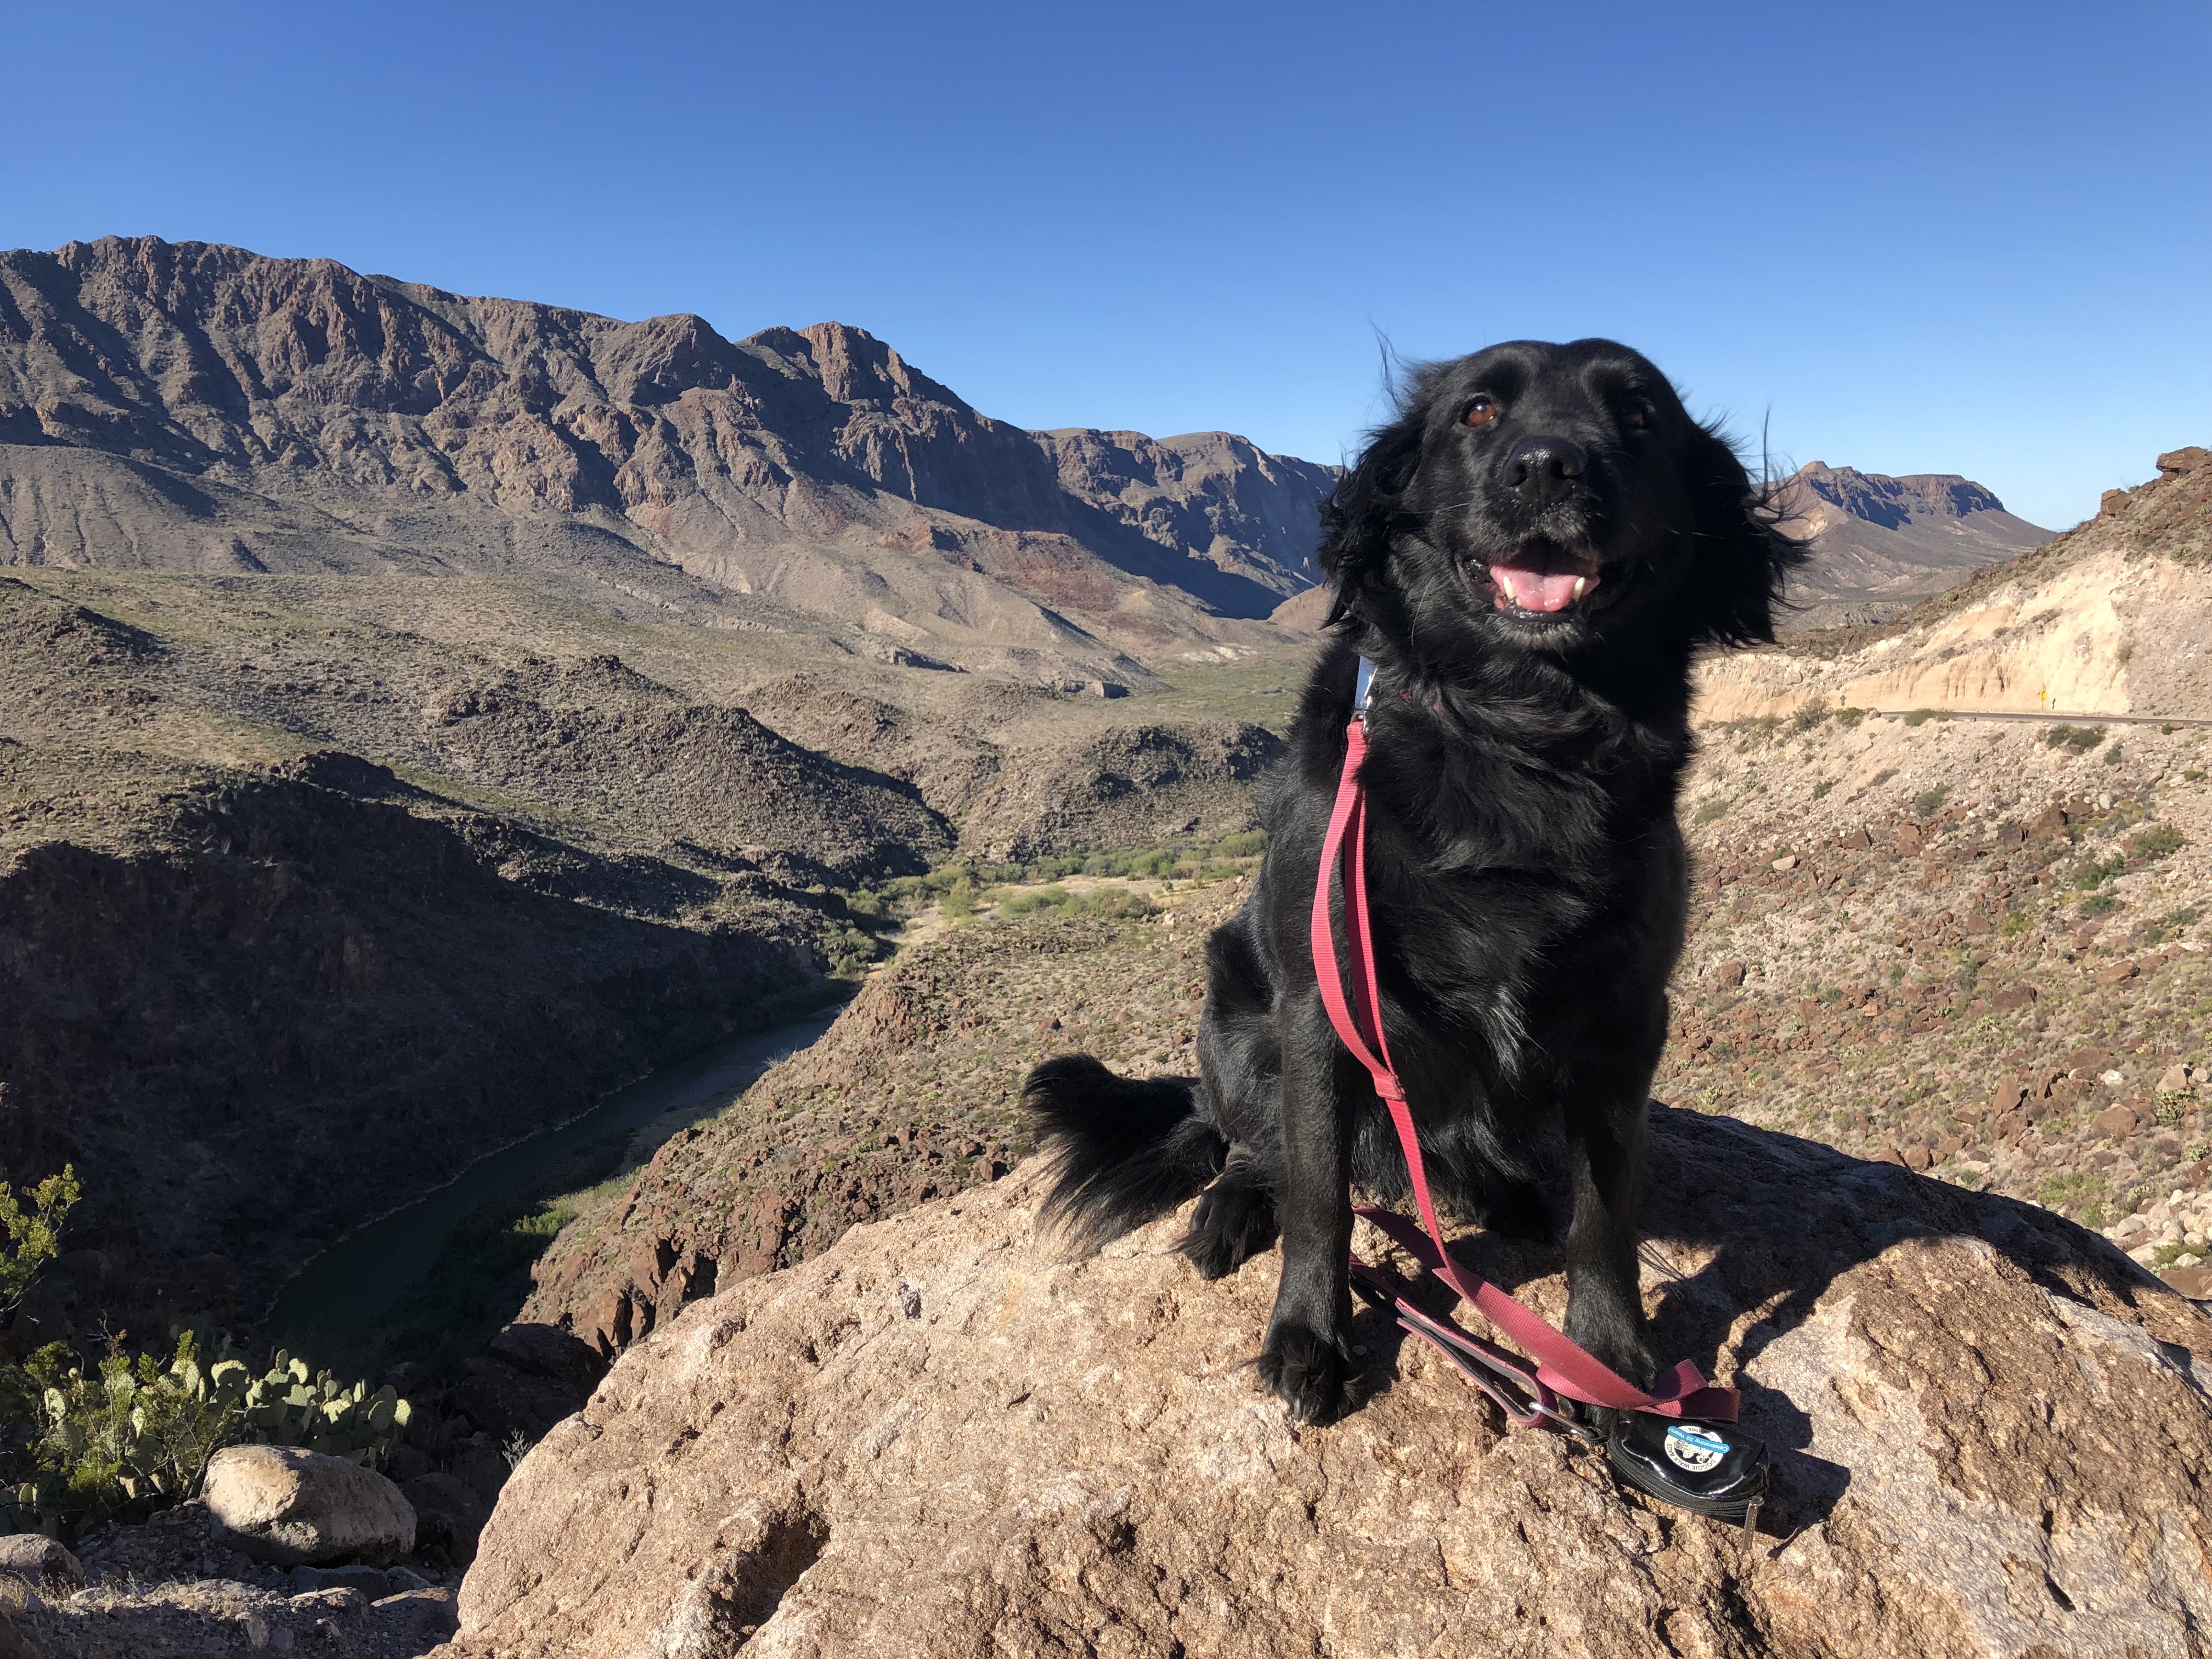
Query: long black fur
{"type": "Point", "coordinates": [1526, 876]}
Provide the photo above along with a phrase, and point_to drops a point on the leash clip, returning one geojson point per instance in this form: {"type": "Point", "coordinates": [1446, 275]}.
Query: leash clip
{"type": "Point", "coordinates": [1363, 690]}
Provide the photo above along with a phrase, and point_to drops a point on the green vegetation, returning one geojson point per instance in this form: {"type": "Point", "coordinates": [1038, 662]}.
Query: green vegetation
{"type": "Point", "coordinates": [134, 1436]}
{"type": "Point", "coordinates": [1103, 902]}
{"type": "Point", "coordinates": [2080, 739]}
{"type": "Point", "coordinates": [2100, 904]}
{"type": "Point", "coordinates": [2148, 846]}
{"type": "Point", "coordinates": [1821, 789]}
{"type": "Point", "coordinates": [1710, 812]}
{"type": "Point", "coordinates": [2090, 874]}
{"type": "Point", "coordinates": [1808, 716]}
{"type": "Point", "coordinates": [33, 1232]}
{"type": "Point", "coordinates": [1928, 801]}
{"type": "Point", "coordinates": [133, 1433]}
{"type": "Point", "coordinates": [1848, 717]}
{"type": "Point", "coordinates": [1921, 716]}
{"type": "Point", "coordinates": [1882, 777]}
{"type": "Point", "coordinates": [2110, 757]}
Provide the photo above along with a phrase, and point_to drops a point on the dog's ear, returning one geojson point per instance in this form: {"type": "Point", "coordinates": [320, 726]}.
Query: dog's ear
{"type": "Point", "coordinates": [1743, 553]}
{"type": "Point", "coordinates": [1362, 512]}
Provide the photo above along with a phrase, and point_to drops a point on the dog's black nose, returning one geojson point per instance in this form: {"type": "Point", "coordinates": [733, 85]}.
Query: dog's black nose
{"type": "Point", "coordinates": [1542, 467]}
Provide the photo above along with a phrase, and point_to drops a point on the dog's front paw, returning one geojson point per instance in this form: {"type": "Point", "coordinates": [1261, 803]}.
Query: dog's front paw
{"type": "Point", "coordinates": [1616, 1342]}
{"type": "Point", "coordinates": [1307, 1368]}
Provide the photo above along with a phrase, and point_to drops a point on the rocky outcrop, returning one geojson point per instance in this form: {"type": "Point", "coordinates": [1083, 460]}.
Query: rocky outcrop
{"type": "Point", "coordinates": [1992, 1434]}
{"type": "Point", "coordinates": [1879, 543]}
{"type": "Point", "coordinates": [293, 1507]}
{"type": "Point", "coordinates": [190, 406]}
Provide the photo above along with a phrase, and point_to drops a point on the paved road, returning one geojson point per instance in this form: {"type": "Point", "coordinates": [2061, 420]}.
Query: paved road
{"type": "Point", "coordinates": [2052, 719]}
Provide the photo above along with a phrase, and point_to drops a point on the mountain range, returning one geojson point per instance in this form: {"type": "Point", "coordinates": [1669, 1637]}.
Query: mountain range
{"type": "Point", "coordinates": [198, 407]}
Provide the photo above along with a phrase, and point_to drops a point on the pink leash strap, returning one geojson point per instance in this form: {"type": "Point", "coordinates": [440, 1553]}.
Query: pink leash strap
{"type": "Point", "coordinates": [1561, 1367]}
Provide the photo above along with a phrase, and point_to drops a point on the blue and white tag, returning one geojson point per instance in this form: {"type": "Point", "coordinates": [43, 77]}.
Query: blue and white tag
{"type": "Point", "coordinates": [1694, 1448]}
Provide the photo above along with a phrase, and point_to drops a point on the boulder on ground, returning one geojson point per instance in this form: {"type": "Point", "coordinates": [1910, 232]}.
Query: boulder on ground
{"type": "Point", "coordinates": [1990, 1431]}
{"type": "Point", "coordinates": [287, 1506]}
{"type": "Point", "coordinates": [40, 1562]}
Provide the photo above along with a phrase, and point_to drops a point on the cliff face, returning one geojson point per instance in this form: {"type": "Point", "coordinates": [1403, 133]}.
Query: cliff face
{"type": "Point", "coordinates": [228, 411]}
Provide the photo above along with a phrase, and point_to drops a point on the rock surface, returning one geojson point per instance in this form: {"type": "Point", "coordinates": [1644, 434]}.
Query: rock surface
{"type": "Point", "coordinates": [291, 1506]}
{"type": "Point", "coordinates": [1992, 1433]}
{"type": "Point", "coordinates": [41, 1562]}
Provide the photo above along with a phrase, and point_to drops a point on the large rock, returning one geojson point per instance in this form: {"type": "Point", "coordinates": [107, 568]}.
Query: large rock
{"type": "Point", "coordinates": [287, 1506]}
{"type": "Point", "coordinates": [1991, 1433]}
{"type": "Point", "coordinates": [40, 1562]}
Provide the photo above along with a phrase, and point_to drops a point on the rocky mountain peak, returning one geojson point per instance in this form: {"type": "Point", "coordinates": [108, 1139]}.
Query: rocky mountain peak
{"type": "Point", "coordinates": [1892, 503]}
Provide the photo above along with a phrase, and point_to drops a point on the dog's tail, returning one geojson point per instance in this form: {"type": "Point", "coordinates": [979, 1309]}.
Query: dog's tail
{"type": "Point", "coordinates": [1125, 1150]}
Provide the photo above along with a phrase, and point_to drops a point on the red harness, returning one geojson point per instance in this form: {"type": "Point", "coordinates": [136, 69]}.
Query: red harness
{"type": "Point", "coordinates": [1560, 1368]}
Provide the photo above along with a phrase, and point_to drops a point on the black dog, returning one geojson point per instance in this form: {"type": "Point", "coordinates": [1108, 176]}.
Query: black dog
{"type": "Point", "coordinates": [1531, 554]}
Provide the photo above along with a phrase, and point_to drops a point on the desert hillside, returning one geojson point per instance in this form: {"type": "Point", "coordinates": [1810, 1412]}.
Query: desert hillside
{"type": "Point", "coordinates": [1880, 543]}
{"type": "Point", "coordinates": [2110, 618]}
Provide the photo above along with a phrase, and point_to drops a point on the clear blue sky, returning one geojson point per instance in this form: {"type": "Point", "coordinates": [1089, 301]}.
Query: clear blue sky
{"type": "Point", "coordinates": [1966, 238]}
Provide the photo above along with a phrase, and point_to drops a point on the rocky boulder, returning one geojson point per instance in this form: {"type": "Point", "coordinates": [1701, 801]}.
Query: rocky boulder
{"type": "Point", "coordinates": [40, 1562]}
{"type": "Point", "coordinates": [290, 1506]}
{"type": "Point", "coordinates": [1991, 1431]}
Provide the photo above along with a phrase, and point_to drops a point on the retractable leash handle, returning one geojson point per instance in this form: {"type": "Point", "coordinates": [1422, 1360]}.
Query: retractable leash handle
{"type": "Point", "coordinates": [1668, 1442]}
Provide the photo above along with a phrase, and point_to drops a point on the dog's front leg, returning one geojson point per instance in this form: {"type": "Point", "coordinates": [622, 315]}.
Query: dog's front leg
{"type": "Point", "coordinates": [1307, 1355]}
{"type": "Point", "coordinates": [1605, 1159]}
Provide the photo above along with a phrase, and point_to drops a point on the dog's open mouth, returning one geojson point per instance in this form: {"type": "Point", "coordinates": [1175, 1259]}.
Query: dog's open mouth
{"type": "Point", "coordinates": [1540, 578]}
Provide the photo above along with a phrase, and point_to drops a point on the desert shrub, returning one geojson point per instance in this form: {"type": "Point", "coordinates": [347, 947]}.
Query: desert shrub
{"type": "Point", "coordinates": [1849, 717]}
{"type": "Point", "coordinates": [1928, 801]}
{"type": "Point", "coordinates": [2080, 739]}
{"type": "Point", "coordinates": [2147, 846]}
{"type": "Point", "coordinates": [1710, 812]}
{"type": "Point", "coordinates": [1821, 789]}
{"type": "Point", "coordinates": [2100, 904]}
{"type": "Point", "coordinates": [1882, 777]}
{"type": "Point", "coordinates": [1808, 716]}
{"type": "Point", "coordinates": [34, 1230]}
{"type": "Point", "coordinates": [2093, 873]}
{"type": "Point", "coordinates": [1919, 716]}
{"type": "Point", "coordinates": [2111, 756]}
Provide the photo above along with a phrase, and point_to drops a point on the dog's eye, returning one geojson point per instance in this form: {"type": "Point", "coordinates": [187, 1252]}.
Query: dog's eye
{"type": "Point", "coordinates": [1482, 412]}
{"type": "Point", "coordinates": [1635, 414]}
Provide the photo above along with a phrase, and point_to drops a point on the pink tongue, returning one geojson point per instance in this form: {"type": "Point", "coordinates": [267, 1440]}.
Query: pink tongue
{"type": "Point", "coordinates": [1538, 590]}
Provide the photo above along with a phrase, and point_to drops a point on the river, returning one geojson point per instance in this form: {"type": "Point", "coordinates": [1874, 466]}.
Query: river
{"type": "Point", "coordinates": [349, 1286]}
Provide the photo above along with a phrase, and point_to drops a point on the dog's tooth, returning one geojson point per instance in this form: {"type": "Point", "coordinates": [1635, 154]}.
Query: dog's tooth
{"type": "Point", "coordinates": [1582, 585]}
{"type": "Point", "coordinates": [1506, 582]}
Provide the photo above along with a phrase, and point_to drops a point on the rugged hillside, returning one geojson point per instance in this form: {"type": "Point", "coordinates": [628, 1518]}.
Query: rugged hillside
{"type": "Point", "coordinates": [1881, 543]}
{"type": "Point", "coordinates": [2110, 618]}
{"type": "Point", "coordinates": [185, 406]}
{"type": "Point", "coordinates": [913, 1092]}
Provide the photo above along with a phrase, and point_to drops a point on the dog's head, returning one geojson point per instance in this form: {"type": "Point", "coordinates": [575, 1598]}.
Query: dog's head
{"type": "Point", "coordinates": [1552, 498]}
